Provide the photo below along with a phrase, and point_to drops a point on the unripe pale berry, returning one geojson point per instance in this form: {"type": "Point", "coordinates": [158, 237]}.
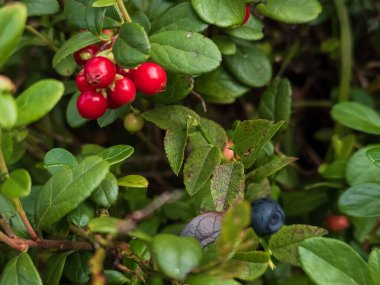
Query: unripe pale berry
{"type": "Point", "coordinates": [91, 105]}
{"type": "Point", "coordinates": [150, 78]}
{"type": "Point", "coordinates": [228, 153]}
{"type": "Point", "coordinates": [133, 123]}
{"type": "Point", "coordinates": [100, 72]}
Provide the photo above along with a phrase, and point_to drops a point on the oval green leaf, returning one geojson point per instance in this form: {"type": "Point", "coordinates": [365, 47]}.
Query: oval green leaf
{"type": "Point", "coordinates": [117, 153]}
{"type": "Point", "coordinates": [17, 185]}
{"type": "Point", "coordinates": [59, 159]}
{"type": "Point", "coordinates": [8, 111]}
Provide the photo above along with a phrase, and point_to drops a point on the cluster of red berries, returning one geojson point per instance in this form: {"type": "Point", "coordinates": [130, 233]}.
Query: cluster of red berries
{"type": "Point", "coordinates": [103, 85]}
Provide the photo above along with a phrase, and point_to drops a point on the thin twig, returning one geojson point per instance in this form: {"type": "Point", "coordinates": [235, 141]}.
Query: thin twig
{"type": "Point", "coordinates": [127, 270]}
{"type": "Point", "coordinates": [203, 102]}
{"type": "Point", "coordinates": [6, 227]}
{"type": "Point", "coordinates": [48, 42]}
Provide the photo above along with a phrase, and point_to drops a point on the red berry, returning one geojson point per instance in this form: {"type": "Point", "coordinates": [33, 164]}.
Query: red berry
{"type": "Point", "coordinates": [91, 105]}
{"type": "Point", "coordinates": [337, 223]}
{"type": "Point", "coordinates": [124, 91]}
{"type": "Point", "coordinates": [84, 54]}
{"type": "Point", "coordinates": [112, 104]}
{"type": "Point", "coordinates": [228, 153]}
{"type": "Point", "coordinates": [150, 78]}
{"type": "Point", "coordinates": [99, 72]}
{"type": "Point", "coordinates": [247, 14]}
{"type": "Point", "coordinates": [82, 84]}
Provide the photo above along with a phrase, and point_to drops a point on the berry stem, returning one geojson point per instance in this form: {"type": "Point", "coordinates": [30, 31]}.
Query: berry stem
{"type": "Point", "coordinates": [123, 10]}
{"type": "Point", "coordinates": [48, 42]}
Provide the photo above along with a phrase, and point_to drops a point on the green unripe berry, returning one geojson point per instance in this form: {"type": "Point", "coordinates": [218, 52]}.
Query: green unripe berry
{"type": "Point", "coordinates": [133, 123]}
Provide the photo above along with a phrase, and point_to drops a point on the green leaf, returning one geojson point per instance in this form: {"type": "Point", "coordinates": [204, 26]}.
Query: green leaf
{"type": "Point", "coordinates": [362, 201]}
{"type": "Point", "coordinates": [225, 45]}
{"type": "Point", "coordinates": [82, 215]}
{"type": "Point", "coordinates": [9, 213]}
{"type": "Point", "coordinates": [179, 17]}
{"type": "Point", "coordinates": [104, 3]}
{"type": "Point", "coordinates": [268, 169]}
{"type": "Point", "coordinates": [20, 270]}
{"type": "Point", "coordinates": [199, 167]}
{"type": "Point", "coordinates": [374, 155]}
{"type": "Point", "coordinates": [337, 262]}
{"type": "Point", "coordinates": [219, 87]}
{"type": "Point", "coordinates": [251, 264]}
{"type": "Point", "coordinates": [302, 202]}
{"type": "Point", "coordinates": [360, 169]}
{"type": "Point", "coordinates": [132, 47]}
{"type": "Point", "coordinates": [176, 256]}
{"type": "Point", "coordinates": [74, 119]}
{"type": "Point", "coordinates": [74, 44]}
{"type": "Point", "coordinates": [104, 225]}
{"type": "Point", "coordinates": [236, 219]}
{"type": "Point", "coordinates": [275, 103]}
{"type": "Point", "coordinates": [171, 117]}
{"type": "Point", "coordinates": [111, 115]}
{"type": "Point", "coordinates": [114, 277]}
{"type": "Point", "coordinates": [59, 159]}
{"type": "Point", "coordinates": [222, 13]}
{"type": "Point", "coordinates": [284, 244]}
{"type": "Point", "coordinates": [185, 52]}
{"type": "Point", "coordinates": [175, 142]}
{"type": "Point", "coordinates": [41, 7]}
{"type": "Point", "coordinates": [67, 189]}
{"type": "Point", "coordinates": [251, 136]}
{"type": "Point", "coordinates": [107, 192]}
{"type": "Point", "coordinates": [94, 18]}
{"type": "Point", "coordinates": [209, 280]}
{"type": "Point", "coordinates": [66, 68]}
{"type": "Point", "coordinates": [177, 88]}
{"type": "Point", "coordinates": [374, 266]}
{"type": "Point", "coordinates": [77, 267]}
{"type": "Point", "coordinates": [8, 111]}
{"type": "Point", "coordinates": [227, 184]}
{"type": "Point", "coordinates": [291, 11]}
{"type": "Point", "coordinates": [54, 269]}
{"type": "Point", "coordinates": [357, 116]}
{"type": "Point", "coordinates": [17, 185]}
{"type": "Point", "coordinates": [251, 31]}
{"type": "Point", "coordinates": [38, 100]}
{"type": "Point", "coordinates": [216, 133]}
{"type": "Point", "coordinates": [250, 66]}
{"type": "Point", "coordinates": [135, 181]}
{"type": "Point", "coordinates": [12, 23]}
{"type": "Point", "coordinates": [117, 153]}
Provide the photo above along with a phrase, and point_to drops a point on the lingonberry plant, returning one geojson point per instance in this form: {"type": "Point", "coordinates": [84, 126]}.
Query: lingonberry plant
{"type": "Point", "coordinates": [195, 142]}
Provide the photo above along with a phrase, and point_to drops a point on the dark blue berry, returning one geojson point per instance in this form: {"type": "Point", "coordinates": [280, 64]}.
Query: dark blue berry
{"type": "Point", "coordinates": [267, 216]}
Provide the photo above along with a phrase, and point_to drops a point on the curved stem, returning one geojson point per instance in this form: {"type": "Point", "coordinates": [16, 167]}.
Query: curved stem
{"type": "Point", "coordinates": [48, 42]}
{"type": "Point", "coordinates": [123, 10]}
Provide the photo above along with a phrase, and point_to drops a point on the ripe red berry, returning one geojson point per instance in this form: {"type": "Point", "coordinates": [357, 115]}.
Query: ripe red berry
{"type": "Point", "coordinates": [124, 91]}
{"type": "Point", "coordinates": [247, 14]}
{"type": "Point", "coordinates": [337, 223]}
{"type": "Point", "coordinates": [150, 78]}
{"type": "Point", "coordinates": [82, 84]}
{"type": "Point", "coordinates": [228, 154]}
{"type": "Point", "coordinates": [84, 54]}
{"type": "Point", "coordinates": [112, 104]}
{"type": "Point", "coordinates": [91, 105]}
{"type": "Point", "coordinates": [99, 72]}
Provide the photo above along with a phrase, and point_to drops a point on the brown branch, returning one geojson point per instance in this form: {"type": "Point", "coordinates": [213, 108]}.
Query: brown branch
{"type": "Point", "coordinates": [203, 102]}
{"type": "Point", "coordinates": [24, 218]}
{"type": "Point", "coordinates": [8, 230]}
{"type": "Point", "coordinates": [127, 270]}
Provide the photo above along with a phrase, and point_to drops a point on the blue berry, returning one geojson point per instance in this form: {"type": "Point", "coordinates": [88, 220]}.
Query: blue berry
{"type": "Point", "coordinates": [267, 216]}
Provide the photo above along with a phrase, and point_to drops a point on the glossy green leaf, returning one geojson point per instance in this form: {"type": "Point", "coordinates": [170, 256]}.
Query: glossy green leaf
{"type": "Point", "coordinates": [199, 167]}
{"type": "Point", "coordinates": [250, 66]}
{"type": "Point", "coordinates": [284, 244]}
{"type": "Point", "coordinates": [357, 116]}
{"type": "Point", "coordinates": [275, 103]}
{"type": "Point", "coordinates": [111, 115]}
{"type": "Point", "coordinates": [12, 23]}
{"type": "Point", "coordinates": [374, 266]}
{"type": "Point", "coordinates": [94, 18]}
{"type": "Point", "coordinates": [115, 277]}
{"type": "Point", "coordinates": [251, 31]}
{"type": "Point", "coordinates": [54, 269]}
{"type": "Point", "coordinates": [74, 44]}
{"type": "Point", "coordinates": [222, 13]}
{"type": "Point", "coordinates": [135, 181]}
{"type": "Point", "coordinates": [38, 100]}
{"type": "Point", "coordinates": [17, 185]}
{"type": "Point", "coordinates": [59, 159]}
{"type": "Point", "coordinates": [176, 256]}
{"type": "Point", "coordinates": [227, 184]}
{"type": "Point", "coordinates": [251, 136]}
{"type": "Point", "coordinates": [291, 11]}
{"type": "Point", "coordinates": [225, 44]}
{"type": "Point", "coordinates": [20, 270]}
{"type": "Point", "coordinates": [362, 200]}
{"type": "Point", "coordinates": [330, 261]}
{"type": "Point", "coordinates": [219, 87]}
{"type": "Point", "coordinates": [107, 192]}
{"type": "Point", "coordinates": [41, 7]}
{"type": "Point", "coordinates": [66, 67]}
{"type": "Point", "coordinates": [104, 3]}
{"type": "Point", "coordinates": [117, 153]}
{"type": "Point", "coordinates": [67, 189]}
{"type": "Point", "coordinates": [8, 111]}
{"type": "Point", "coordinates": [209, 280]}
{"type": "Point", "coordinates": [82, 215]}
{"type": "Point", "coordinates": [179, 17]}
{"type": "Point", "coordinates": [374, 155]}
{"type": "Point", "coordinates": [104, 225]}
{"type": "Point", "coordinates": [77, 267]}
{"type": "Point", "coordinates": [184, 52]}
{"type": "Point", "coordinates": [132, 47]}
{"type": "Point", "coordinates": [251, 265]}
